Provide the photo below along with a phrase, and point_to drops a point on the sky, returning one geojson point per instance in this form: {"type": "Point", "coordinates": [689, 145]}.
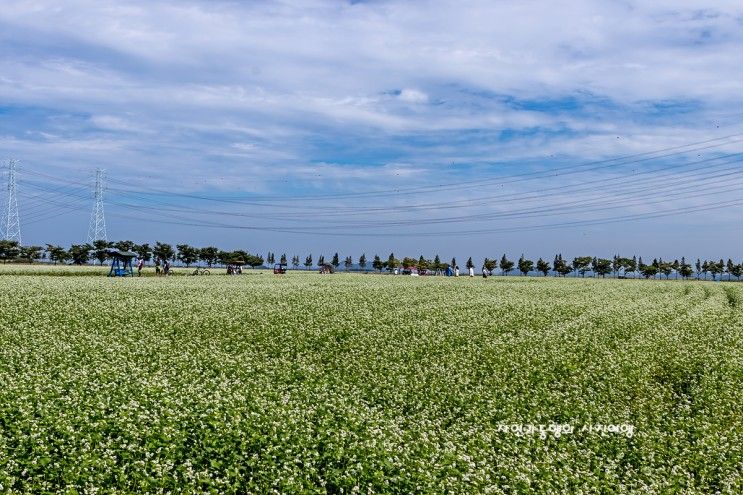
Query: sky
{"type": "Point", "coordinates": [467, 128]}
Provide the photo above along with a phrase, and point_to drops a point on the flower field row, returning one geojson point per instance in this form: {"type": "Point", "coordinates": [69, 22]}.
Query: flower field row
{"type": "Point", "coordinates": [368, 384]}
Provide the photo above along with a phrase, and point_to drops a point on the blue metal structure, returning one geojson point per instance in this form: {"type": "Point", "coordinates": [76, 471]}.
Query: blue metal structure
{"type": "Point", "coordinates": [122, 263]}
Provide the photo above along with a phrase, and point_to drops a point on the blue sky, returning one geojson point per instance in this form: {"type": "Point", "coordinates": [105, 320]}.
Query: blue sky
{"type": "Point", "coordinates": [310, 126]}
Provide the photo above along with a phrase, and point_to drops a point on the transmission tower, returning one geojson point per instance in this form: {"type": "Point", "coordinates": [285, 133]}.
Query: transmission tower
{"type": "Point", "coordinates": [97, 227]}
{"type": "Point", "coordinates": [11, 226]}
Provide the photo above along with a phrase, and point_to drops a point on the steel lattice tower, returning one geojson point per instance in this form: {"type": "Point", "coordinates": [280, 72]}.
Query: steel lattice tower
{"type": "Point", "coordinates": [11, 225]}
{"type": "Point", "coordinates": [97, 227]}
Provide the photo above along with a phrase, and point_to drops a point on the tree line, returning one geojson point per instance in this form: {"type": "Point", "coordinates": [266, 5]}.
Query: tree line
{"type": "Point", "coordinates": [186, 254]}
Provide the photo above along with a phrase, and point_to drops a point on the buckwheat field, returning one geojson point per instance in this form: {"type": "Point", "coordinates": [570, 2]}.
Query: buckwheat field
{"type": "Point", "coordinates": [369, 384]}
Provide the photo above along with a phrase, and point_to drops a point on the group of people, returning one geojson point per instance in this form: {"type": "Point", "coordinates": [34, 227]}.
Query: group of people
{"type": "Point", "coordinates": [470, 271]}
{"type": "Point", "coordinates": [164, 271]}
{"type": "Point", "coordinates": [234, 270]}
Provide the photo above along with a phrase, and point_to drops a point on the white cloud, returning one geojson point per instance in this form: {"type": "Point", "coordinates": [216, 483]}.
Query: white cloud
{"type": "Point", "coordinates": [413, 96]}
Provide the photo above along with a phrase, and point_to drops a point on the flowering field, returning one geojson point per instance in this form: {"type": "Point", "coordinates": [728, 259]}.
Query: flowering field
{"type": "Point", "coordinates": [353, 383]}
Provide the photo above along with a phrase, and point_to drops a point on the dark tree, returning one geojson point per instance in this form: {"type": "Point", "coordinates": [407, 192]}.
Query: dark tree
{"type": "Point", "coordinates": [124, 245]}
{"type": "Point", "coordinates": [100, 248]}
{"type": "Point", "coordinates": [506, 265]}
{"type": "Point", "coordinates": [57, 254]}
{"type": "Point", "coordinates": [423, 263]}
{"type": "Point", "coordinates": [377, 263]}
{"type": "Point", "coordinates": [144, 252]}
{"type": "Point", "coordinates": [80, 253]}
{"type": "Point", "coordinates": [362, 261]}
{"type": "Point", "coordinates": [525, 266]}
{"type": "Point", "coordinates": [163, 251]}
{"type": "Point", "coordinates": [9, 250]}
{"type": "Point", "coordinates": [187, 254]}
{"type": "Point", "coordinates": [308, 261]}
{"type": "Point", "coordinates": [582, 264]}
{"type": "Point", "coordinates": [543, 267]}
{"type": "Point", "coordinates": [253, 260]}
{"type": "Point", "coordinates": [348, 263]}
{"type": "Point", "coordinates": [335, 261]}
{"type": "Point", "coordinates": [209, 255]}
{"type": "Point", "coordinates": [602, 266]}
{"type": "Point", "coordinates": [392, 262]}
{"type": "Point", "coordinates": [31, 253]}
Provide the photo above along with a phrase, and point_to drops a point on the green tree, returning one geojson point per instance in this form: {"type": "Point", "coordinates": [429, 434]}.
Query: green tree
{"type": "Point", "coordinates": [408, 262]}
{"type": "Point", "coordinates": [321, 260]}
{"type": "Point", "coordinates": [362, 261]}
{"type": "Point", "coordinates": [253, 260]}
{"type": "Point", "coordinates": [9, 250]}
{"type": "Point", "coordinates": [729, 268]}
{"type": "Point", "coordinates": [209, 255]}
{"type": "Point", "coordinates": [737, 271]}
{"type": "Point", "coordinates": [506, 265]}
{"type": "Point", "coordinates": [123, 245]}
{"type": "Point", "coordinates": [601, 266]}
{"type": "Point", "coordinates": [31, 253]}
{"type": "Point", "coordinates": [469, 263]}
{"type": "Point", "coordinates": [453, 263]}
{"type": "Point", "coordinates": [348, 263]}
{"type": "Point", "coordinates": [144, 252]}
{"type": "Point", "coordinates": [100, 250]}
{"type": "Point", "coordinates": [57, 254]}
{"type": "Point", "coordinates": [685, 269]}
{"type": "Point", "coordinates": [437, 266]}
{"type": "Point", "coordinates": [665, 267]}
{"type": "Point", "coordinates": [616, 265]}
{"type": "Point", "coordinates": [163, 251]}
{"type": "Point", "coordinates": [543, 267]}
{"type": "Point", "coordinates": [490, 265]}
{"type": "Point", "coordinates": [582, 264]}
{"type": "Point", "coordinates": [392, 262]}
{"type": "Point", "coordinates": [631, 265]}
{"type": "Point", "coordinates": [282, 260]}
{"type": "Point", "coordinates": [377, 263]}
{"type": "Point", "coordinates": [224, 257]}
{"type": "Point", "coordinates": [295, 261]}
{"type": "Point", "coordinates": [270, 258]}
{"type": "Point", "coordinates": [80, 253]}
{"type": "Point", "coordinates": [525, 266]}
{"type": "Point", "coordinates": [308, 261]}
{"type": "Point", "coordinates": [648, 271]}
{"type": "Point", "coordinates": [335, 261]}
{"type": "Point", "coordinates": [422, 264]}
{"type": "Point", "coordinates": [559, 265]}
{"type": "Point", "coordinates": [187, 254]}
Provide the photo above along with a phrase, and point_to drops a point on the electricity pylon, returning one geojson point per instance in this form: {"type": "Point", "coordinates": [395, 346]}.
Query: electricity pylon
{"type": "Point", "coordinates": [97, 227]}
{"type": "Point", "coordinates": [11, 225]}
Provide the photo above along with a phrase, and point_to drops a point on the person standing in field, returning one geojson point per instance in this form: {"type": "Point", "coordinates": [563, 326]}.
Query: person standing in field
{"type": "Point", "coordinates": [484, 271]}
{"type": "Point", "coordinates": [157, 267]}
{"type": "Point", "coordinates": [472, 271]}
{"type": "Point", "coordinates": [140, 265]}
{"type": "Point", "coordinates": [166, 268]}
{"type": "Point", "coordinates": [456, 271]}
